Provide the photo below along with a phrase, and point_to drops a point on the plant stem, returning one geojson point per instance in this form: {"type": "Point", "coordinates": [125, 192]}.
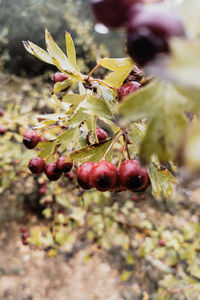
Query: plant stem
{"type": "Point", "coordinates": [103, 82]}
{"type": "Point", "coordinates": [111, 145]}
{"type": "Point", "coordinates": [93, 70]}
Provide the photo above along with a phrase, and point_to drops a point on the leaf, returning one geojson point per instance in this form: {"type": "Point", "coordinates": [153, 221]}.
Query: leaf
{"type": "Point", "coordinates": [162, 181]}
{"type": "Point", "coordinates": [125, 275]}
{"type": "Point", "coordinates": [91, 125]}
{"type": "Point", "coordinates": [61, 86]}
{"type": "Point", "coordinates": [191, 148]}
{"type": "Point", "coordinates": [121, 67]}
{"type": "Point", "coordinates": [137, 132]}
{"type": "Point", "coordinates": [74, 99]}
{"type": "Point", "coordinates": [47, 149]}
{"type": "Point", "coordinates": [90, 153]}
{"type": "Point", "coordinates": [97, 106]}
{"type": "Point", "coordinates": [164, 106]}
{"type": "Point", "coordinates": [71, 53]}
{"type": "Point", "coordinates": [38, 52]}
{"type": "Point", "coordinates": [67, 137]}
{"type": "Point", "coordinates": [57, 53]}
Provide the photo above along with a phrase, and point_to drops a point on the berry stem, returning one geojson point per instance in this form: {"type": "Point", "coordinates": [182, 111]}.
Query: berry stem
{"type": "Point", "coordinates": [93, 70]}
{"type": "Point", "coordinates": [102, 82]}
{"type": "Point", "coordinates": [111, 145]}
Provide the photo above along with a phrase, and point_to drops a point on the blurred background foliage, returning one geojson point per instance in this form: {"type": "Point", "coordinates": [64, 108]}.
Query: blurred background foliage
{"type": "Point", "coordinates": [27, 19]}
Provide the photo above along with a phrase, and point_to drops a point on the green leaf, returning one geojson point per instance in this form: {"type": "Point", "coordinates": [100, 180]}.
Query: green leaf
{"type": "Point", "coordinates": [61, 86]}
{"type": "Point", "coordinates": [57, 53]}
{"type": "Point", "coordinates": [137, 132]}
{"type": "Point", "coordinates": [71, 53]}
{"type": "Point", "coordinates": [162, 181]}
{"type": "Point", "coordinates": [121, 67]}
{"type": "Point", "coordinates": [67, 138]}
{"type": "Point", "coordinates": [90, 153]}
{"type": "Point", "coordinates": [191, 148]}
{"type": "Point", "coordinates": [165, 106]}
{"type": "Point", "coordinates": [97, 106]}
{"type": "Point", "coordinates": [38, 52]}
{"type": "Point", "coordinates": [47, 149]}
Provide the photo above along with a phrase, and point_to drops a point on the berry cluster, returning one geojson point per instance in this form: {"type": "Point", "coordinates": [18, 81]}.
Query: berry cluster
{"type": "Point", "coordinates": [104, 176]}
{"type": "Point", "coordinates": [148, 29]}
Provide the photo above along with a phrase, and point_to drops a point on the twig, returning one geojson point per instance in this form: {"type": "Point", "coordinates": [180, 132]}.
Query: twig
{"type": "Point", "coordinates": [111, 145]}
{"type": "Point", "coordinates": [93, 70]}
{"type": "Point", "coordinates": [103, 82]}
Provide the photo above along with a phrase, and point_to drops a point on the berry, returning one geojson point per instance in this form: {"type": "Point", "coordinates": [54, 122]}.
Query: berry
{"type": "Point", "coordinates": [42, 190]}
{"type": "Point", "coordinates": [24, 242]}
{"type": "Point", "coordinates": [64, 166]}
{"type": "Point", "coordinates": [113, 13]}
{"type": "Point", "coordinates": [148, 34]}
{"type": "Point", "coordinates": [25, 235]}
{"type": "Point", "coordinates": [52, 172]}
{"type": "Point", "coordinates": [101, 135]}
{"type": "Point", "coordinates": [59, 77]}
{"type": "Point", "coordinates": [104, 176]}
{"type": "Point", "coordinates": [161, 243]}
{"type": "Point", "coordinates": [1, 112]}
{"type": "Point", "coordinates": [83, 173]}
{"type": "Point", "coordinates": [36, 165]}
{"type": "Point", "coordinates": [135, 198]}
{"type": "Point", "coordinates": [133, 176]}
{"type": "Point", "coordinates": [31, 139]}
{"type": "Point", "coordinates": [127, 88]}
{"type": "Point", "coordinates": [47, 201]}
{"type": "Point", "coordinates": [2, 130]}
{"type": "Point", "coordinates": [23, 229]}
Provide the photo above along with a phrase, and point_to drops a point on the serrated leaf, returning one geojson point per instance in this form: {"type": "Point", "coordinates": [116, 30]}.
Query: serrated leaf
{"type": "Point", "coordinates": [121, 68]}
{"type": "Point", "coordinates": [137, 132]}
{"type": "Point", "coordinates": [47, 149]}
{"type": "Point", "coordinates": [97, 107]}
{"type": "Point", "coordinates": [90, 153]}
{"type": "Point", "coordinates": [162, 181]}
{"type": "Point", "coordinates": [91, 125]}
{"type": "Point", "coordinates": [67, 137]}
{"type": "Point", "coordinates": [57, 53]}
{"type": "Point", "coordinates": [61, 86]}
{"type": "Point", "coordinates": [38, 52]}
{"type": "Point", "coordinates": [71, 52]}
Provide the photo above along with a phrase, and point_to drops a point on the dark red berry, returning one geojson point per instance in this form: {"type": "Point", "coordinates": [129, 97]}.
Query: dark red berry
{"type": "Point", "coordinates": [161, 243]}
{"type": "Point", "coordinates": [47, 201]}
{"type": "Point", "coordinates": [133, 176]}
{"type": "Point", "coordinates": [145, 186]}
{"type": "Point", "coordinates": [64, 166]}
{"type": "Point", "coordinates": [23, 229]}
{"type": "Point", "coordinates": [101, 135]}
{"type": "Point", "coordinates": [52, 172]}
{"type": "Point", "coordinates": [104, 176]}
{"type": "Point", "coordinates": [83, 173]}
{"type": "Point", "coordinates": [113, 13]}
{"type": "Point", "coordinates": [59, 77]}
{"type": "Point", "coordinates": [25, 242]}
{"type": "Point", "coordinates": [127, 88]}
{"type": "Point", "coordinates": [3, 130]}
{"type": "Point", "coordinates": [31, 139]}
{"type": "Point", "coordinates": [1, 112]}
{"type": "Point", "coordinates": [36, 165]}
{"type": "Point", "coordinates": [135, 198]}
{"type": "Point", "coordinates": [42, 190]}
{"type": "Point", "coordinates": [148, 34]}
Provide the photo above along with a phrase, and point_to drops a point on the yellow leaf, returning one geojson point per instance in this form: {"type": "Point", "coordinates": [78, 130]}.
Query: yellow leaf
{"type": "Point", "coordinates": [38, 52]}
{"type": "Point", "coordinates": [71, 53]}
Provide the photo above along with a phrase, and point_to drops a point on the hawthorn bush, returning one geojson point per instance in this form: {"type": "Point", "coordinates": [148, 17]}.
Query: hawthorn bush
{"type": "Point", "coordinates": [129, 131]}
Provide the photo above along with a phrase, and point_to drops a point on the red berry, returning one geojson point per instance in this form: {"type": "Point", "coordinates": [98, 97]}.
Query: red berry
{"type": "Point", "coordinates": [59, 77]}
{"type": "Point", "coordinates": [64, 166]}
{"type": "Point", "coordinates": [127, 88]}
{"type": "Point", "coordinates": [23, 229]}
{"type": "Point", "coordinates": [24, 242]}
{"type": "Point", "coordinates": [83, 173]}
{"type": "Point", "coordinates": [149, 32]}
{"type": "Point", "coordinates": [161, 243]}
{"type": "Point", "coordinates": [1, 112]}
{"type": "Point", "coordinates": [133, 176]}
{"type": "Point", "coordinates": [52, 172]}
{"type": "Point", "coordinates": [113, 13]}
{"type": "Point", "coordinates": [101, 135]}
{"type": "Point", "coordinates": [2, 130]}
{"type": "Point", "coordinates": [104, 176]}
{"type": "Point", "coordinates": [42, 190]}
{"type": "Point", "coordinates": [47, 201]}
{"type": "Point", "coordinates": [135, 198]}
{"type": "Point", "coordinates": [36, 165]}
{"type": "Point", "coordinates": [31, 139]}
